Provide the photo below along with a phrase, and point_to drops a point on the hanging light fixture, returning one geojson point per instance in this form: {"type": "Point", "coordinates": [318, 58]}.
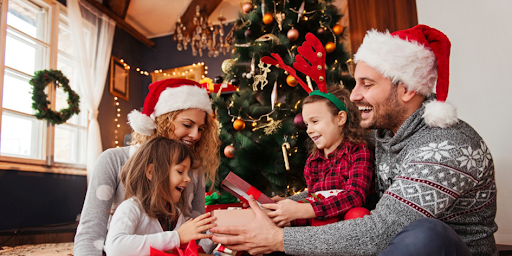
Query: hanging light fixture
{"type": "Point", "coordinates": [205, 36]}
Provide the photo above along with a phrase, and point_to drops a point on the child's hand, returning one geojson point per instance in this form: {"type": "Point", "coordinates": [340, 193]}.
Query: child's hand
{"type": "Point", "coordinates": [287, 210]}
{"type": "Point", "coordinates": [191, 230]}
{"type": "Point", "coordinates": [277, 198]}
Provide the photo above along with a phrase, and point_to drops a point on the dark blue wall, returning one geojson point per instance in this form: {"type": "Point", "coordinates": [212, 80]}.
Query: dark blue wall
{"type": "Point", "coordinates": [36, 199]}
{"type": "Point", "coordinates": [129, 49]}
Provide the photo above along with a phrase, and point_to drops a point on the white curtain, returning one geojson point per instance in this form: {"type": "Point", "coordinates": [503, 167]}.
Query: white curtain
{"type": "Point", "coordinates": [92, 33]}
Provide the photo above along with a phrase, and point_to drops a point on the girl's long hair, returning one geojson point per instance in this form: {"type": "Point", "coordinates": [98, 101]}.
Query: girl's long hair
{"type": "Point", "coordinates": [154, 194]}
{"type": "Point", "coordinates": [352, 130]}
{"type": "Point", "coordinates": [206, 150]}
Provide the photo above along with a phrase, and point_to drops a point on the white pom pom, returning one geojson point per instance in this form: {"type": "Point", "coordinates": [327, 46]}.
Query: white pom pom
{"type": "Point", "coordinates": [440, 114]}
{"type": "Point", "coordinates": [141, 123]}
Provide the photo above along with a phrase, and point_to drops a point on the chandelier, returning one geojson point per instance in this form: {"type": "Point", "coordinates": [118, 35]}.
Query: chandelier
{"type": "Point", "coordinates": [205, 36]}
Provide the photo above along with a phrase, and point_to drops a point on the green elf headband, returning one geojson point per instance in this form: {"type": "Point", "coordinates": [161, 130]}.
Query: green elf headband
{"type": "Point", "coordinates": [313, 51]}
{"type": "Point", "coordinates": [337, 102]}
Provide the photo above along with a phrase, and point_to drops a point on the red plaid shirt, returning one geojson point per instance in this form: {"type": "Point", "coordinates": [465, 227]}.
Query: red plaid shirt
{"type": "Point", "coordinates": [349, 167]}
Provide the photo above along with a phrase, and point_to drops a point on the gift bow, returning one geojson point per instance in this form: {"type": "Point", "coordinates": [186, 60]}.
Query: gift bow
{"type": "Point", "coordinates": [191, 250]}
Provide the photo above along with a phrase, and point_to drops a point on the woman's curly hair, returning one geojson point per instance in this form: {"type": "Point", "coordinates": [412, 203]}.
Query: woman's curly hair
{"type": "Point", "coordinates": [206, 150]}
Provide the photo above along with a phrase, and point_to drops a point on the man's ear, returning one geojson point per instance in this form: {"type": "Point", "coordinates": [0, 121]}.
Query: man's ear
{"type": "Point", "coordinates": [405, 93]}
{"type": "Point", "coordinates": [342, 117]}
{"type": "Point", "coordinates": [149, 171]}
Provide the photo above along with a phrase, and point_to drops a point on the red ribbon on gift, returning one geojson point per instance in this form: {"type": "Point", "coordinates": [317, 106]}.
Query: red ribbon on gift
{"type": "Point", "coordinates": [191, 250]}
{"type": "Point", "coordinates": [254, 192]}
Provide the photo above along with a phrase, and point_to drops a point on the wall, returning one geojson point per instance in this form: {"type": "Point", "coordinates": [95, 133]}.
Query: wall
{"type": "Point", "coordinates": [129, 49]}
{"type": "Point", "coordinates": [480, 80]}
{"type": "Point", "coordinates": [36, 199]}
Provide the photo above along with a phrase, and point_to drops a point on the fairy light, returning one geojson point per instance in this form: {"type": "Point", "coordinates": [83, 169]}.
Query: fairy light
{"type": "Point", "coordinates": [116, 121]}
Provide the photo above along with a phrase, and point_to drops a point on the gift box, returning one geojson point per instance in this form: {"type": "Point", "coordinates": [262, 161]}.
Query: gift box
{"type": "Point", "coordinates": [233, 217]}
{"type": "Point", "coordinates": [241, 189]}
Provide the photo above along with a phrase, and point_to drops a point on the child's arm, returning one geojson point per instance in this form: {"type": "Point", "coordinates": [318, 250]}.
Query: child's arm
{"type": "Point", "coordinates": [132, 232]}
{"type": "Point", "coordinates": [355, 182]}
{"type": "Point", "coordinates": [288, 210]}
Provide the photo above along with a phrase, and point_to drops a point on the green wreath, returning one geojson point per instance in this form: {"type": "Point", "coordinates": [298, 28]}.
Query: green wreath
{"type": "Point", "coordinates": [39, 82]}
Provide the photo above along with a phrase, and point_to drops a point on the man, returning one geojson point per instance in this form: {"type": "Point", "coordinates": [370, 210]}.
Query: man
{"type": "Point", "coordinates": [434, 173]}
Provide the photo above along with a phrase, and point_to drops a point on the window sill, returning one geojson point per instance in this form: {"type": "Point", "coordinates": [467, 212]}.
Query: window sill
{"type": "Point", "coordinates": [41, 168]}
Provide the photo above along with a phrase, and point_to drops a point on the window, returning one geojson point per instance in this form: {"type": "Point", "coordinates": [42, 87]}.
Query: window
{"type": "Point", "coordinates": [37, 38]}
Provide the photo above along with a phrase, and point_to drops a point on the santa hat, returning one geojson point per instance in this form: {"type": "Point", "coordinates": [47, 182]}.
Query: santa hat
{"type": "Point", "coordinates": [417, 57]}
{"type": "Point", "coordinates": [166, 96]}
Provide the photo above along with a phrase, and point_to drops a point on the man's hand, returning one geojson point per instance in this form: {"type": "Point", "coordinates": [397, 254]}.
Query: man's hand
{"type": "Point", "coordinates": [259, 236]}
{"type": "Point", "coordinates": [288, 210]}
{"type": "Point", "coordinates": [191, 230]}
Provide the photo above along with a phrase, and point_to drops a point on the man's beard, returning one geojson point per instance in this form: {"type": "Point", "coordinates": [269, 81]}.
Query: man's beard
{"type": "Point", "coordinates": [391, 114]}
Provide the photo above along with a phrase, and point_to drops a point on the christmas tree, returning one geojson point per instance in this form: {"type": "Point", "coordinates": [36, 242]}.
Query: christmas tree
{"type": "Point", "coordinates": [263, 136]}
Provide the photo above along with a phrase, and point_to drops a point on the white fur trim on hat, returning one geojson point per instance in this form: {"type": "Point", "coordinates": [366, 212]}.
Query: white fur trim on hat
{"type": "Point", "coordinates": [440, 114]}
{"type": "Point", "coordinates": [141, 123]}
{"type": "Point", "coordinates": [400, 60]}
{"type": "Point", "coordinates": [183, 97]}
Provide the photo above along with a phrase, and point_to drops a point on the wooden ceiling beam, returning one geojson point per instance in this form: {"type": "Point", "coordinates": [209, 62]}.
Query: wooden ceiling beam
{"type": "Point", "coordinates": [207, 7]}
{"type": "Point", "coordinates": [123, 24]}
{"type": "Point", "coordinates": [119, 7]}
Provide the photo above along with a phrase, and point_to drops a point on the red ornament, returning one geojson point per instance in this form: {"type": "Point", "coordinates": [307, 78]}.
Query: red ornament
{"type": "Point", "coordinates": [229, 151]}
{"type": "Point", "coordinates": [299, 122]}
{"type": "Point", "coordinates": [293, 34]}
{"type": "Point", "coordinates": [247, 7]}
{"type": "Point", "coordinates": [357, 212]}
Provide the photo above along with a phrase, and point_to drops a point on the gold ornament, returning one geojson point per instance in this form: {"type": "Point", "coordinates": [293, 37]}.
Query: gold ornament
{"type": "Point", "coordinates": [284, 147]}
{"type": "Point", "coordinates": [330, 47]}
{"type": "Point", "coordinates": [227, 65]}
{"type": "Point", "coordinates": [280, 19]}
{"type": "Point", "coordinates": [337, 29]}
{"type": "Point", "coordinates": [261, 78]}
{"type": "Point", "coordinates": [291, 81]}
{"type": "Point", "coordinates": [268, 19]}
{"type": "Point", "coordinates": [239, 124]}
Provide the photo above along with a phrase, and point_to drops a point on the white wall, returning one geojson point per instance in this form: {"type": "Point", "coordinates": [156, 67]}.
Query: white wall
{"type": "Point", "coordinates": [481, 80]}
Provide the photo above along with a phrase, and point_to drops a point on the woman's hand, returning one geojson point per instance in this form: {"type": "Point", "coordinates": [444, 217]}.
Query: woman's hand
{"type": "Point", "coordinates": [277, 199]}
{"type": "Point", "coordinates": [191, 230]}
{"type": "Point", "coordinates": [288, 210]}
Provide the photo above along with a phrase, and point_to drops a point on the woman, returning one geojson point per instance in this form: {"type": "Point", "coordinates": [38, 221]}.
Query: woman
{"type": "Point", "coordinates": [178, 109]}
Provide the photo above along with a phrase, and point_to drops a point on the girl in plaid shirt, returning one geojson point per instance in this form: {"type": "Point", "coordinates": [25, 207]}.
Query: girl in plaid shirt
{"type": "Point", "coordinates": [339, 169]}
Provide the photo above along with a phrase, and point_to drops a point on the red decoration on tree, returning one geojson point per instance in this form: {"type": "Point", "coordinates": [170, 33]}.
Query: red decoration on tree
{"type": "Point", "coordinates": [229, 151]}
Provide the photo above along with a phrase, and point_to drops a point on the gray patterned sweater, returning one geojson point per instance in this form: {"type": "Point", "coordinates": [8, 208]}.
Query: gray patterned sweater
{"type": "Point", "coordinates": [421, 172]}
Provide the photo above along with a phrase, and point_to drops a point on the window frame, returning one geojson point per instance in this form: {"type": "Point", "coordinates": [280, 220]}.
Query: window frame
{"type": "Point", "coordinates": [47, 164]}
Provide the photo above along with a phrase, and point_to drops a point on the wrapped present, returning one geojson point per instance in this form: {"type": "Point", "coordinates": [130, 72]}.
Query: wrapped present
{"type": "Point", "coordinates": [241, 189]}
{"type": "Point", "coordinates": [220, 250]}
{"type": "Point", "coordinates": [233, 217]}
{"type": "Point", "coordinates": [190, 250]}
